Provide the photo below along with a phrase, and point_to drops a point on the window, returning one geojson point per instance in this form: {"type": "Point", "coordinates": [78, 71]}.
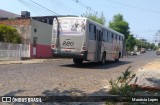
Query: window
{"type": "Point", "coordinates": [110, 35]}
{"type": "Point", "coordinates": [34, 41]}
{"type": "Point", "coordinates": [107, 37]}
{"type": "Point", "coordinates": [92, 31]}
{"type": "Point", "coordinates": [120, 38]}
{"type": "Point", "coordinates": [35, 30]}
{"type": "Point", "coordinates": [116, 37]}
{"type": "Point", "coordinates": [103, 36]}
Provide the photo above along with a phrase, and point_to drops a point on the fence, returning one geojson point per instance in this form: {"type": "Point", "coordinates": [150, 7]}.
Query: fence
{"type": "Point", "coordinates": [10, 51]}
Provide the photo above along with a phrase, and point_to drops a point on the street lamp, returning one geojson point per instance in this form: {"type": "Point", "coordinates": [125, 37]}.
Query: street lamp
{"type": "Point", "coordinates": [141, 41]}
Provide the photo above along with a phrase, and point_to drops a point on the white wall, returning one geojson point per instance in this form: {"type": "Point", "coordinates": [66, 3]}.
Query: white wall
{"type": "Point", "coordinates": [43, 32]}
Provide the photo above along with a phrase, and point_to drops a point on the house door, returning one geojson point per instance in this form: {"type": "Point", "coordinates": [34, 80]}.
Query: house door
{"type": "Point", "coordinates": [34, 46]}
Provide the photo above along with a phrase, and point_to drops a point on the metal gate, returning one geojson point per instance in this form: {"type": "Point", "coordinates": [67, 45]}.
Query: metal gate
{"type": "Point", "coordinates": [10, 51]}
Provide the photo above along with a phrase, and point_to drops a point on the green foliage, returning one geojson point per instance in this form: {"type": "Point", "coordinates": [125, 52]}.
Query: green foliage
{"type": "Point", "coordinates": [144, 44]}
{"type": "Point", "coordinates": [121, 85]}
{"type": "Point", "coordinates": [9, 34]}
{"type": "Point", "coordinates": [120, 25]}
{"type": "Point", "coordinates": [95, 18]}
{"type": "Point", "coordinates": [130, 43]}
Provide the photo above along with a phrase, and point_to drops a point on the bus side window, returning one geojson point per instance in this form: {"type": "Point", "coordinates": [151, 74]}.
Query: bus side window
{"type": "Point", "coordinates": [104, 36]}
{"type": "Point", "coordinates": [95, 32]}
{"type": "Point", "coordinates": [108, 36]}
{"type": "Point", "coordinates": [105, 32]}
{"type": "Point", "coordinates": [112, 37]}
{"type": "Point", "coordinates": [116, 38]}
{"type": "Point", "coordinates": [119, 39]}
{"type": "Point", "coordinates": [92, 32]}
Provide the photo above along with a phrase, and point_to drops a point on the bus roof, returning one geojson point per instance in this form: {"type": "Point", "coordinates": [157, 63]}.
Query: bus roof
{"type": "Point", "coordinates": [84, 18]}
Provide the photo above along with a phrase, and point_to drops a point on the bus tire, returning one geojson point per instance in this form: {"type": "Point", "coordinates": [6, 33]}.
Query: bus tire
{"type": "Point", "coordinates": [117, 60]}
{"type": "Point", "coordinates": [77, 61]}
{"type": "Point", "coordinates": [103, 61]}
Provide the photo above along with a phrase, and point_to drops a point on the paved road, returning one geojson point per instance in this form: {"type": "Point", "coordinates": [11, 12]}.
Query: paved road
{"type": "Point", "coordinates": [63, 77]}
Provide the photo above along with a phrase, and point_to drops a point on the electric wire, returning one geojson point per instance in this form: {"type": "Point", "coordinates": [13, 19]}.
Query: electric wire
{"type": "Point", "coordinates": [140, 8]}
{"type": "Point", "coordinates": [44, 7]}
{"type": "Point", "coordinates": [35, 8]}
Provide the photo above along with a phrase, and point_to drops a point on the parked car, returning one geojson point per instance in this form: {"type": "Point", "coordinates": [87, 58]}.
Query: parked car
{"type": "Point", "coordinates": [158, 52]}
{"type": "Point", "coordinates": [134, 53]}
{"type": "Point", "coordinates": [143, 50]}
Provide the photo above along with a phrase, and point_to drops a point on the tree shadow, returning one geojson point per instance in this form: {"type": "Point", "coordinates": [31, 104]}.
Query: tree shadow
{"type": "Point", "coordinates": [97, 65]}
{"type": "Point", "coordinates": [73, 92]}
{"type": "Point", "coordinates": [13, 93]}
{"type": "Point", "coordinates": [57, 93]}
{"type": "Point", "coordinates": [155, 81]}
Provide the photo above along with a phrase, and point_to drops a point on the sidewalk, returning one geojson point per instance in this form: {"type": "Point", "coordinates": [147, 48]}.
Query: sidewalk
{"type": "Point", "coordinates": [149, 76]}
{"type": "Point", "coordinates": [28, 61]}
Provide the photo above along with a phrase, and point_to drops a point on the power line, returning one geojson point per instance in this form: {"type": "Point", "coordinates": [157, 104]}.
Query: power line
{"type": "Point", "coordinates": [65, 8]}
{"type": "Point", "coordinates": [134, 6]}
{"type": "Point", "coordinates": [89, 8]}
{"type": "Point", "coordinates": [32, 7]}
{"type": "Point", "coordinates": [44, 7]}
{"type": "Point", "coordinates": [39, 6]}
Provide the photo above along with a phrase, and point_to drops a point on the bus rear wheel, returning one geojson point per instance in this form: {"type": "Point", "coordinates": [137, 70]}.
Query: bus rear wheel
{"type": "Point", "coordinates": [119, 55]}
{"type": "Point", "coordinates": [116, 60]}
{"type": "Point", "coordinates": [77, 61]}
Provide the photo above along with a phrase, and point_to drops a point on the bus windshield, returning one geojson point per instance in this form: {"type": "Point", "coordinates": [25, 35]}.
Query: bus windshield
{"type": "Point", "coordinates": [69, 26]}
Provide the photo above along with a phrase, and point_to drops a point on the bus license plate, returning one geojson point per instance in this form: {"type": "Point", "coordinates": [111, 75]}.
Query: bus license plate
{"type": "Point", "coordinates": [67, 50]}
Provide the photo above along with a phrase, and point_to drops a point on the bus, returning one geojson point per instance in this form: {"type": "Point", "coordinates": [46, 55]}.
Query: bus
{"type": "Point", "coordinates": [85, 40]}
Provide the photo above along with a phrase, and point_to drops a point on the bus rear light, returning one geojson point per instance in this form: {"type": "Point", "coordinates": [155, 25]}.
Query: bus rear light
{"type": "Point", "coordinates": [84, 46]}
{"type": "Point", "coordinates": [52, 46]}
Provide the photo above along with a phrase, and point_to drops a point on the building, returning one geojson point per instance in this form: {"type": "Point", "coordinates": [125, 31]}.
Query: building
{"type": "Point", "coordinates": [6, 15]}
{"type": "Point", "coordinates": [35, 33]}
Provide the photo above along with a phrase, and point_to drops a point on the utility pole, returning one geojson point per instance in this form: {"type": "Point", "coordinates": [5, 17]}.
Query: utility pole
{"type": "Point", "coordinates": [141, 43]}
{"type": "Point", "coordinates": [157, 37]}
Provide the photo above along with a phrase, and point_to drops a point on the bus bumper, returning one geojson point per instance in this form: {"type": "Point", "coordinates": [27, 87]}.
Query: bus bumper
{"type": "Point", "coordinates": [81, 55]}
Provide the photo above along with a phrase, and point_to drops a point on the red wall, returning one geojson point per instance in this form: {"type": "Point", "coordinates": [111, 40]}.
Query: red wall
{"type": "Point", "coordinates": [42, 51]}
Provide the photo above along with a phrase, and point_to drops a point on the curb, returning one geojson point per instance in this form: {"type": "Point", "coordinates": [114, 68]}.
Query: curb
{"type": "Point", "coordinates": [147, 88]}
{"type": "Point", "coordinates": [31, 61]}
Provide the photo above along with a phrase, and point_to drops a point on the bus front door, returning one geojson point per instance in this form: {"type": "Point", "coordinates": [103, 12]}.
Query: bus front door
{"type": "Point", "coordinates": [98, 44]}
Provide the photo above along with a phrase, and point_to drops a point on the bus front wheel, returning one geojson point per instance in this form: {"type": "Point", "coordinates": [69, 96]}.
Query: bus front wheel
{"type": "Point", "coordinates": [77, 61]}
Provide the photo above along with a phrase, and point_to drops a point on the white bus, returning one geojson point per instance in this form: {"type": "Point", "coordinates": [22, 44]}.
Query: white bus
{"type": "Point", "coordinates": [85, 40]}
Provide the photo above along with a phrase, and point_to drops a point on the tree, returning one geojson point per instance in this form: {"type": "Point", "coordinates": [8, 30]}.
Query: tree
{"type": "Point", "coordinates": [120, 25]}
{"type": "Point", "coordinates": [130, 43]}
{"type": "Point", "coordinates": [9, 34]}
{"type": "Point", "coordinates": [157, 36]}
{"type": "Point", "coordinates": [153, 46]}
{"type": "Point", "coordinates": [94, 17]}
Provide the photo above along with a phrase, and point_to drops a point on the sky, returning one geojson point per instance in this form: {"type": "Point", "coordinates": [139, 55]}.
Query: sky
{"type": "Point", "coordinates": [143, 16]}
